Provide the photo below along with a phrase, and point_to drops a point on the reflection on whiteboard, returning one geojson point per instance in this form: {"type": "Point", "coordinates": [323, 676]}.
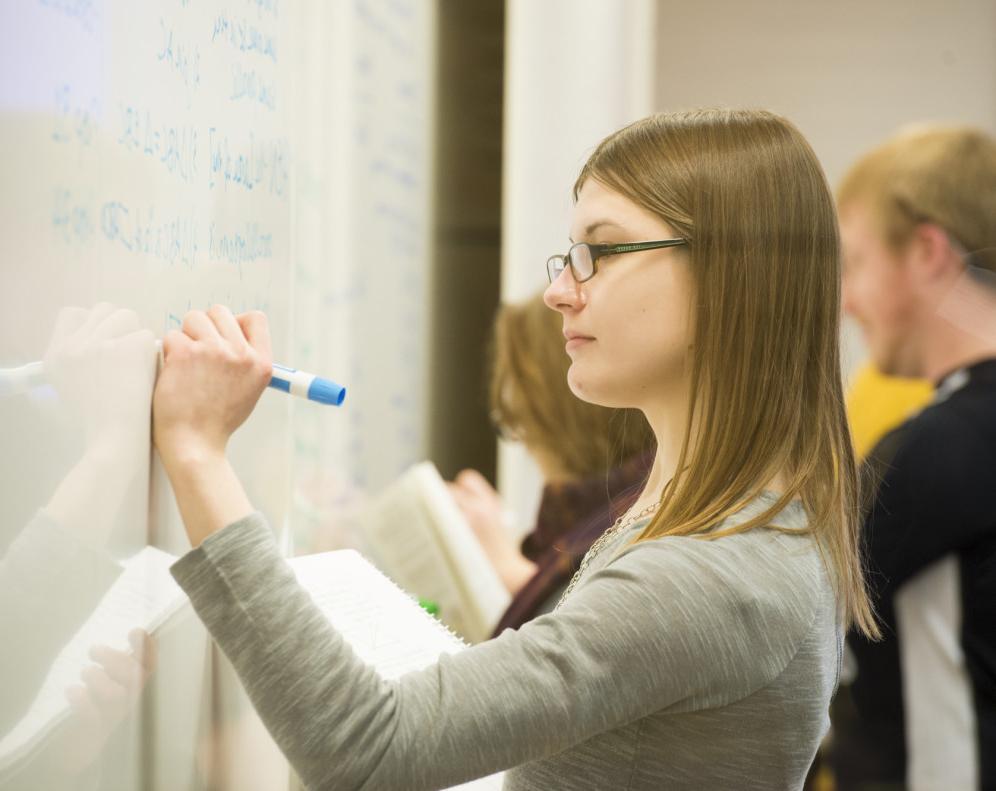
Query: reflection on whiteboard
{"type": "Point", "coordinates": [163, 156]}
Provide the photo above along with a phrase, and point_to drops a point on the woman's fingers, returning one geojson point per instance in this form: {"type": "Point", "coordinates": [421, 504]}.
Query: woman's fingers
{"type": "Point", "coordinates": [257, 331]}
{"type": "Point", "coordinates": [459, 494]}
{"type": "Point", "coordinates": [227, 326]}
{"type": "Point", "coordinates": [175, 342]}
{"type": "Point", "coordinates": [198, 325]}
{"type": "Point", "coordinates": [475, 482]}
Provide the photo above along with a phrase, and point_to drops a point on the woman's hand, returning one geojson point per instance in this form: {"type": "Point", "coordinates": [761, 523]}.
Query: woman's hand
{"type": "Point", "coordinates": [484, 510]}
{"type": "Point", "coordinates": [213, 374]}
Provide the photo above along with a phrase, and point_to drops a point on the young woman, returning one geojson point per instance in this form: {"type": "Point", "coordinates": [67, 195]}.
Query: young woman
{"type": "Point", "coordinates": [700, 644]}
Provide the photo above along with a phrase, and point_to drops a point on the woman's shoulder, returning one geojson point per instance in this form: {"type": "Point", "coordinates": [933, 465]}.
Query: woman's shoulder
{"type": "Point", "coordinates": [774, 577]}
{"type": "Point", "coordinates": [753, 598]}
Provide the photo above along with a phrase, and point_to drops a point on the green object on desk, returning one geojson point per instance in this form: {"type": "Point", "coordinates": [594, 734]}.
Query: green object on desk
{"type": "Point", "coordinates": [429, 606]}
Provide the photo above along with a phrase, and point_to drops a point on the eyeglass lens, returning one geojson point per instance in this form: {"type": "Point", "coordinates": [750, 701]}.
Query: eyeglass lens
{"type": "Point", "coordinates": [581, 262]}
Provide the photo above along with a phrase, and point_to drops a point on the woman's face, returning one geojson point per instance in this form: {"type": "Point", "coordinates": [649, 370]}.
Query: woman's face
{"type": "Point", "coordinates": [628, 329]}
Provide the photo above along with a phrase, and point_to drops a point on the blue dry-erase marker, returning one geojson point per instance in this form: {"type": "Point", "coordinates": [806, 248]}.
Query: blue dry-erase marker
{"type": "Point", "coordinates": [289, 380]}
{"type": "Point", "coordinates": [306, 385]}
{"type": "Point", "coordinates": [299, 383]}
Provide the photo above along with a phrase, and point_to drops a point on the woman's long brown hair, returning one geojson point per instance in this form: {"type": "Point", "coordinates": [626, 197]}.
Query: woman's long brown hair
{"type": "Point", "coordinates": [745, 188]}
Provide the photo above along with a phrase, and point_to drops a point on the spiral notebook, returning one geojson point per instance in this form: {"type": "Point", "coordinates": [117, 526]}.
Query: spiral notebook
{"type": "Point", "coordinates": [384, 625]}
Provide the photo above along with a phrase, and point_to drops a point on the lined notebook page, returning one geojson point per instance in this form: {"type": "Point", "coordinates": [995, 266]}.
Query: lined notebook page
{"type": "Point", "coordinates": [383, 624]}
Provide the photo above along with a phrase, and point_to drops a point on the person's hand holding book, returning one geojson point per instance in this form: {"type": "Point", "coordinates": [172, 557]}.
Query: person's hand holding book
{"type": "Point", "coordinates": [484, 510]}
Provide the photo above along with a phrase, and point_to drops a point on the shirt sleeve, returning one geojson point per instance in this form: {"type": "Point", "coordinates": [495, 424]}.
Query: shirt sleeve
{"type": "Point", "coordinates": [674, 624]}
{"type": "Point", "coordinates": [933, 498]}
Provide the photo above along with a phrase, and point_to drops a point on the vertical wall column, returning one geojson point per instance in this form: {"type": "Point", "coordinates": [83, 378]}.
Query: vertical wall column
{"type": "Point", "coordinates": [575, 71]}
{"type": "Point", "coordinates": [466, 268]}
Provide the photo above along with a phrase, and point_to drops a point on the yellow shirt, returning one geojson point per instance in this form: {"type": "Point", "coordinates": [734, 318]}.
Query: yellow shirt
{"type": "Point", "coordinates": [877, 403]}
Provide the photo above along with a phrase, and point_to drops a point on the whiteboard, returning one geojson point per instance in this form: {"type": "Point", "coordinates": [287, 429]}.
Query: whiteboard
{"type": "Point", "coordinates": [163, 156]}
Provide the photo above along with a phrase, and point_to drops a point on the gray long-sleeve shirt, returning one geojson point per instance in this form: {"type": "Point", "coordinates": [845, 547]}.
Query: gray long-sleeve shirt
{"type": "Point", "coordinates": [675, 663]}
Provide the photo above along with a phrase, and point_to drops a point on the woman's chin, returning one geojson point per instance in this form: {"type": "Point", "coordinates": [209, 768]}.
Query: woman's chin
{"type": "Point", "coordinates": [586, 387]}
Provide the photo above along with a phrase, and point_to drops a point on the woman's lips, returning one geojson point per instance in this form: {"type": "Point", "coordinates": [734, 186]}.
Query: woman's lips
{"type": "Point", "coordinates": [577, 341]}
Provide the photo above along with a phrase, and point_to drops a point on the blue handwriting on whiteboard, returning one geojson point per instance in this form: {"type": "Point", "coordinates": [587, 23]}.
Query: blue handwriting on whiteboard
{"type": "Point", "coordinates": [72, 218]}
{"type": "Point", "coordinates": [174, 146]}
{"type": "Point", "coordinates": [242, 246]}
{"type": "Point", "coordinates": [74, 117]}
{"type": "Point", "coordinates": [172, 241]}
{"type": "Point", "coordinates": [248, 84]}
{"type": "Point", "coordinates": [244, 36]}
{"type": "Point", "coordinates": [262, 164]}
{"type": "Point", "coordinates": [182, 58]}
{"type": "Point", "coordinates": [397, 174]}
{"type": "Point", "coordinates": [268, 6]}
{"type": "Point", "coordinates": [82, 11]}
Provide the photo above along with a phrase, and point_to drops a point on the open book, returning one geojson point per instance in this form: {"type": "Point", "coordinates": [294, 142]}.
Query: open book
{"type": "Point", "coordinates": [384, 625]}
{"type": "Point", "coordinates": [417, 534]}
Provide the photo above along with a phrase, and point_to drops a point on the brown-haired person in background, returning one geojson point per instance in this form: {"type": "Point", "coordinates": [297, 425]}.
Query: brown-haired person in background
{"type": "Point", "coordinates": [698, 647]}
{"type": "Point", "coordinates": [918, 220]}
{"type": "Point", "coordinates": [593, 460]}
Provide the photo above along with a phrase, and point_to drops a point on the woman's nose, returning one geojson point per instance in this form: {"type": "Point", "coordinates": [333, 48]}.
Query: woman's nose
{"type": "Point", "coordinates": [564, 293]}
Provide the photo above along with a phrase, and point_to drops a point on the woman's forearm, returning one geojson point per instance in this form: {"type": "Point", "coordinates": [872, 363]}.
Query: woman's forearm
{"type": "Point", "coordinates": [208, 493]}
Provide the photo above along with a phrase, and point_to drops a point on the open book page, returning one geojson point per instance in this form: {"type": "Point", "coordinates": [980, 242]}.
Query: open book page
{"type": "Point", "coordinates": [421, 539]}
{"type": "Point", "coordinates": [383, 624]}
{"type": "Point", "coordinates": [398, 529]}
{"type": "Point", "coordinates": [143, 597]}
{"type": "Point", "coordinates": [485, 593]}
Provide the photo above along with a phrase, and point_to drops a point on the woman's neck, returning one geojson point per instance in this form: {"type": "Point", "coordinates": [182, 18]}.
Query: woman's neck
{"type": "Point", "coordinates": [668, 419]}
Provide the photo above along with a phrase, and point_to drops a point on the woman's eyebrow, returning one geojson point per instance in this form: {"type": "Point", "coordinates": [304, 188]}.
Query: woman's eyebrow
{"type": "Point", "coordinates": [597, 225]}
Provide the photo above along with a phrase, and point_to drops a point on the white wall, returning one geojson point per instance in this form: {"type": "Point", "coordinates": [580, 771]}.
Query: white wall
{"type": "Point", "coordinates": [575, 70]}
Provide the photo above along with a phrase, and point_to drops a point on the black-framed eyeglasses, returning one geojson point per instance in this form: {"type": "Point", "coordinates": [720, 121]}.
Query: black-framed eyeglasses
{"type": "Point", "coordinates": [582, 257]}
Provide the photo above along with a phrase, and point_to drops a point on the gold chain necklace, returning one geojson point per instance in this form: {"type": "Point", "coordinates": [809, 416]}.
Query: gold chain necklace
{"type": "Point", "coordinates": [620, 523]}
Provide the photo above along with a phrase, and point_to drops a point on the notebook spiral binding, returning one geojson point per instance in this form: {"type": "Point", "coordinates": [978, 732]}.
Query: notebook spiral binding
{"type": "Point", "coordinates": [436, 621]}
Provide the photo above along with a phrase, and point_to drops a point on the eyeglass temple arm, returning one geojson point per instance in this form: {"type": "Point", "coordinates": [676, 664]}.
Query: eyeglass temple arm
{"type": "Point", "coordinates": [598, 250]}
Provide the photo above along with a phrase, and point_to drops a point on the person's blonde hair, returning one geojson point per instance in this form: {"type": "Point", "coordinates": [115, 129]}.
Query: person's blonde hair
{"type": "Point", "coordinates": [747, 192]}
{"type": "Point", "coordinates": [928, 173]}
{"type": "Point", "coordinates": [531, 401]}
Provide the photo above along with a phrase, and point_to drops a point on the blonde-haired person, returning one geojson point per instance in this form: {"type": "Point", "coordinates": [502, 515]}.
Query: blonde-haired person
{"type": "Point", "coordinates": [699, 646]}
{"type": "Point", "coordinates": [918, 220]}
{"type": "Point", "coordinates": [593, 461]}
